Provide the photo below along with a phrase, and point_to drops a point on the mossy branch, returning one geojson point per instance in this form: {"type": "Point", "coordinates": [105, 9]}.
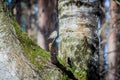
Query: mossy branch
{"type": "Point", "coordinates": [32, 51]}
{"type": "Point", "coordinates": [59, 63]}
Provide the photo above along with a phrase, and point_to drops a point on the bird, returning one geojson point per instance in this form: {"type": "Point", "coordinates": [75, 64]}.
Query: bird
{"type": "Point", "coordinates": [53, 35]}
{"type": "Point", "coordinates": [52, 39]}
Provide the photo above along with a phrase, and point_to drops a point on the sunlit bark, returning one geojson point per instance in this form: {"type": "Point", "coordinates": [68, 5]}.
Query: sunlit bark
{"type": "Point", "coordinates": [78, 38]}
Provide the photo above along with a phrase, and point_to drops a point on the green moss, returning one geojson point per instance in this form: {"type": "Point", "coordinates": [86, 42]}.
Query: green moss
{"type": "Point", "coordinates": [32, 51]}
{"type": "Point", "coordinates": [81, 75]}
{"type": "Point", "coordinates": [65, 77]}
{"type": "Point", "coordinates": [40, 57]}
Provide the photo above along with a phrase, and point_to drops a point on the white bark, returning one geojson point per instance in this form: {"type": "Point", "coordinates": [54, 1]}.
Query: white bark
{"type": "Point", "coordinates": [13, 65]}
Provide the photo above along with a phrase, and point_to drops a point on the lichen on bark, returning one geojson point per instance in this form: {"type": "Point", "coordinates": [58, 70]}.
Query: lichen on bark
{"type": "Point", "coordinates": [20, 57]}
{"type": "Point", "coordinates": [78, 37]}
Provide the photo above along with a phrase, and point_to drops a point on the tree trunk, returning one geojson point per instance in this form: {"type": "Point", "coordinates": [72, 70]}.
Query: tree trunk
{"type": "Point", "coordinates": [113, 43]}
{"type": "Point", "coordinates": [20, 57]}
{"type": "Point", "coordinates": [78, 45]}
{"type": "Point", "coordinates": [19, 10]}
{"type": "Point", "coordinates": [47, 21]}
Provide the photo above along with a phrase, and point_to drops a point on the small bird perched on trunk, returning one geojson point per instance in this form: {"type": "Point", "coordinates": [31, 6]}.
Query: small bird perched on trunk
{"type": "Point", "coordinates": [52, 39]}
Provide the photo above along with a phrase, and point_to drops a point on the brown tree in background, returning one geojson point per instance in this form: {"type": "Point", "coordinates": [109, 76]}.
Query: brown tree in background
{"type": "Point", "coordinates": [46, 21]}
{"type": "Point", "coordinates": [110, 42]}
{"type": "Point", "coordinates": [113, 42]}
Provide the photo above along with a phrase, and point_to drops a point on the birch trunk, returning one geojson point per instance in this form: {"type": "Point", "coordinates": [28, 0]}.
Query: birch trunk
{"type": "Point", "coordinates": [78, 45]}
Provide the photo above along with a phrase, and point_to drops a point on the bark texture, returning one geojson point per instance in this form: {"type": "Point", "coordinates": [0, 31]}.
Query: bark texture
{"type": "Point", "coordinates": [20, 57]}
{"type": "Point", "coordinates": [113, 43]}
{"type": "Point", "coordinates": [78, 39]}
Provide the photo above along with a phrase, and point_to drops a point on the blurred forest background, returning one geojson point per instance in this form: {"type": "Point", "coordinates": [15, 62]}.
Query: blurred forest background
{"type": "Point", "coordinates": [26, 14]}
{"type": "Point", "coordinates": [89, 32]}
